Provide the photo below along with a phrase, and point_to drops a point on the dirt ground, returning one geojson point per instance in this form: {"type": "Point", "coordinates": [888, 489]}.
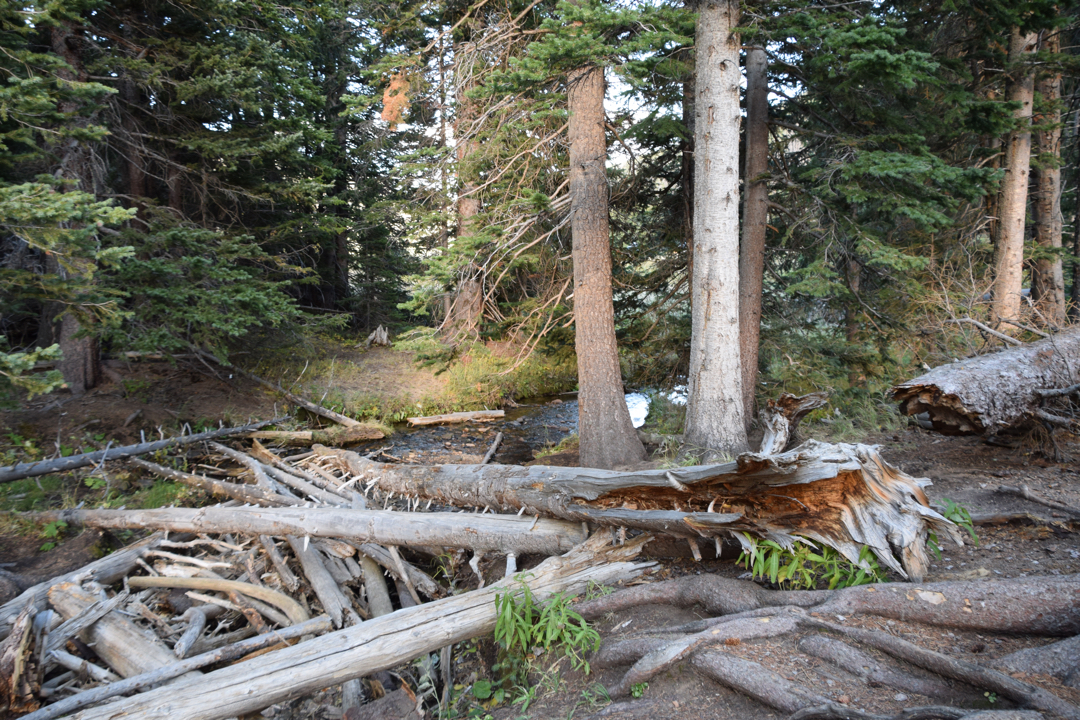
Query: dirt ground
{"type": "Point", "coordinates": [968, 470]}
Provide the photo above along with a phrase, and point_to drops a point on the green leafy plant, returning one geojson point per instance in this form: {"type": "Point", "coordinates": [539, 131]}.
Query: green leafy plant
{"type": "Point", "coordinates": [805, 566]}
{"type": "Point", "coordinates": [54, 531]}
{"type": "Point", "coordinates": [956, 513]}
{"type": "Point", "coordinates": [638, 689]}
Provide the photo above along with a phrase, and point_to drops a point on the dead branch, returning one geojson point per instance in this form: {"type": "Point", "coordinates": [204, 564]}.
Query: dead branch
{"type": "Point", "coordinates": [64, 464]}
{"type": "Point", "coordinates": [292, 609]}
{"type": "Point", "coordinates": [1028, 494]}
{"type": "Point", "coordinates": [458, 417]}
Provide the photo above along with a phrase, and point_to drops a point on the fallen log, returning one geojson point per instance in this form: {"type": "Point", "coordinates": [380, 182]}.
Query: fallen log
{"type": "Point", "coordinates": [989, 393]}
{"type": "Point", "coordinates": [845, 496]}
{"type": "Point", "coordinates": [484, 532]}
{"type": "Point", "coordinates": [73, 462]}
{"type": "Point", "coordinates": [375, 645]}
{"type": "Point", "coordinates": [458, 417]}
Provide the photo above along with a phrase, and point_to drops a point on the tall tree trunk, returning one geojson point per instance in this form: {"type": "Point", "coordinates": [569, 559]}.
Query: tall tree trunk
{"type": "Point", "coordinates": [80, 364]}
{"type": "Point", "coordinates": [1048, 281]}
{"type": "Point", "coordinates": [606, 433]}
{"type": "Point", "coordinates": [1009, 251]}
{"type": "Point", "coordinates": [715, 412]}
{"type": "Point", "coordinates": [1074, 306]}
{"type": "Point", "coordinates": [467, 306]}
{"type": "Point", "coordinates": [686, 173]}
{"type": "Point", "coordinates": [755, 219]}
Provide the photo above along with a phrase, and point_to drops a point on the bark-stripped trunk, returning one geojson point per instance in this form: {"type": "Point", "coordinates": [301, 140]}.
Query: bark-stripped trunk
{"type": "Point", "coordinates": [989, 393]}
{"type": "Point", "coordinates": [1048, 281]}
{"type": "Point", "coordinates": [606, 433]}
{"type": "Point", "coordinates": [715, 412]}
{"type": "Point", "coordinates": [1012, 204]}
{"type": "Point", "coordinates": [1074, 306]}
{"type": "Point", "coordinates": [80, 365]}
{"type": "Point", "coordinates": [755, 219]}
{"type": "Point", "coordinates": [845, 496]}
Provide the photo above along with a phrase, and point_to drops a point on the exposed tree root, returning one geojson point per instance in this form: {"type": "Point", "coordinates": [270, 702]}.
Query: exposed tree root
{"type": "Point", "coordinates": [878, 672]}
{"type": "Point", "coordinates": [755, 680]}
{"type": "Point", "coordinates": [1030, 606]}
{"type": "Point", "coordinates": [836, 711]}
{"type": "Point", "coordinates": [1060, 660]}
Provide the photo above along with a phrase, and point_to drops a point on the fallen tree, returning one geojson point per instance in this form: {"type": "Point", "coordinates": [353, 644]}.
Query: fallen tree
{"type": "Point", "coordinates": [845, 496]}
{"type": "Point", "coordinates": [480, 532]}
{"type": "Point", "coordinates": [990, 393]}
{"type": "Point", "coordinates": [368, 647]}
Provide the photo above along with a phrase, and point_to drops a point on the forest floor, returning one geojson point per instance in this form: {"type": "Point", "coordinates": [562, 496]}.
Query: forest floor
{"type": "Point", "coordinates": [144, 395]}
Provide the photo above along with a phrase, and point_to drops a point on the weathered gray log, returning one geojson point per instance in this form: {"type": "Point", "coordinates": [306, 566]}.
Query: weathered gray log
{"type": "Point", "coordinates": [989, 393]}
{"type": "Point", "coordinates": [72, 462]}
{"type": "Point", "coordinates": [420, 579]}
{"type": "Point", "coordinates": [845, 496]}
{"type": "Point", "coordinates": [17, 686]}
{"type": "Point", "coordinates": [288, 579]}
{"type": "Point", "coordinates": [334, 602]}
{"type": "Point", "coordinates": [377, 593]}
{"type": "Point", "coordinates": [780, 419]}
{"type": "Point", "coordinates": [458, 417]}
{"type": "Point", "coordinates": [292, 609]}
{"type": "Point", "coordinates": [315, 626]}
{"type": "Point", "coordinates": [105, 571]}
{"type": "Point", "coordinates": [486, 532]}
{"type": "Point", "coordinates": [120, 643]}
{"type": "Point", "coordinates": [375, 645]}
{"type": "Point", "coordinates": [1060, 660]}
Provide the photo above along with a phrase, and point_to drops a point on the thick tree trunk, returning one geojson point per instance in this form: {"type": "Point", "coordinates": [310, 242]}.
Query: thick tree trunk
{"type": "Point", "coordinates": [375, 645]}
{"type": "Point", "coordinates": [755, 219]}
{"type": "Point", "coordinates": [1012, 205]}
{"type": "Point", "coordinates": [686, 172]}
{"type": "Point", "coordinates": [81, 363]}
{"type": "Point", "coordinates": [1048, 281]}
{"type": "Point", "coordinates": [480, 532]}
{"type": "Point", "coordinates": [990, 393]}
{"type": "Point", "coordinates": [845, 496]}
{"type": "Point", "coordinates": [715, 414]}
{"type": "Point", "coordinates": [606, 433]}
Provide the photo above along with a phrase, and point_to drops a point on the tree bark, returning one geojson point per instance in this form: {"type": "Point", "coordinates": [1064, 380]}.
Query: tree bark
{"type": "Point", "coordinates": [990, 393]}
{"type": "Point", "coordinates": [375, 645]}
{"type": "Point", "coordinates": [1012, 206]}
{"type": "Point", "coordinates": [715, 414]}
{"type": "Point", "coordinates": [755, 220]}
{"type": "Point", "coordinates": [606, 433]}
{"type": "Point", "coordinates": [1048, 281]}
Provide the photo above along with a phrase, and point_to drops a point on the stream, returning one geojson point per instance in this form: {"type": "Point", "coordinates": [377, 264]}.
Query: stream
{"type": "Point", "coordinates": [532, 425]}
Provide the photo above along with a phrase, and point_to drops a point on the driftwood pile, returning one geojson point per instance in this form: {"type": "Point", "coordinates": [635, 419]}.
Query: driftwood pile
{"type": "Point", "coordinates": [282, 589]}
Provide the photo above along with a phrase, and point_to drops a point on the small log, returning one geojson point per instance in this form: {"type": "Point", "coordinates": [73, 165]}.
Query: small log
{"type": "Point", "coordinates": [378, 593]}
{"type": "Point", "coordinates": [64, 464]}
{"type": "Point", "coordinates": [458, 417]}
{"type": "Point", "coordinates": [105, 571]}
{"type": "Point", "coordinates": [375, 645]}
{"type": "Point", "coordinates": [120, 643]}
{"type": "Point", "coordinates": [990, 393]}
{"type": "Point", "coordinates": [333, 436]}
{"type": "Point", "coordinates": [288, 579]}
{"type": "Point", "coordinates": [315, 626]}
{"type": "Point", "coordinates": [1028, 494]}
{"type": "Point", "coordinates": [334, 602]}
{"type": "Point", "coordinates": [845, 496]}
{"type": "Point", "coordinates": [494, 447]}
{"type": "Point", "coordinates": [488, 532]}
{"type": "Point", "coordinates": [254, 466]}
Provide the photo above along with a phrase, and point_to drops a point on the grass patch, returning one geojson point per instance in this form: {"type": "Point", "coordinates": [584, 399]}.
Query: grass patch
{"type": "Point", "coordinates": [568, 443]}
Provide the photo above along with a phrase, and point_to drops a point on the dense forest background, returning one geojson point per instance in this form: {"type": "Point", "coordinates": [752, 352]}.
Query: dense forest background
{"type": "Point", "coordinates": [200, 174]}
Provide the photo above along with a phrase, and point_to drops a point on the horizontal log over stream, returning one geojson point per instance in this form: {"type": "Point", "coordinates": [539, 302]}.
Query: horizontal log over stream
{"type": "Point", "coordinates": [845, 496]}
{"type": "Point", "coordinates": [482, 532]}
